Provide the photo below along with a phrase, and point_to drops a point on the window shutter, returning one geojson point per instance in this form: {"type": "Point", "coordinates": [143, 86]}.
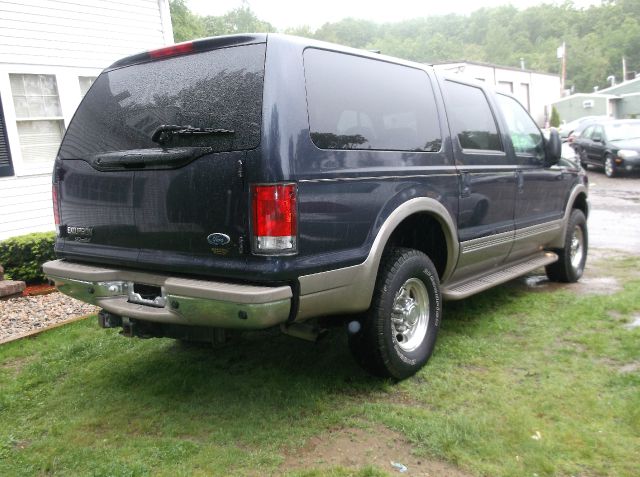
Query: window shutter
{"type": "Point", "coordinates": [6, 167]}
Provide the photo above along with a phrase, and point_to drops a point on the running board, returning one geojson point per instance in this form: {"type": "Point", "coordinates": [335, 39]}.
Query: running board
{"type": "Point", "coordinates": [460, 290]}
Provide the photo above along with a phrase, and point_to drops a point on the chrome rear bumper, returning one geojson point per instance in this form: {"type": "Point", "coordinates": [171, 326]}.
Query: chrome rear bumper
{"type": "Point", "coordinates": [181, 301]}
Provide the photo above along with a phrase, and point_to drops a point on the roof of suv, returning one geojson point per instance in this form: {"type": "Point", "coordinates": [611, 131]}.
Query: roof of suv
{"type": "Point", "coordinates": [210, 43]}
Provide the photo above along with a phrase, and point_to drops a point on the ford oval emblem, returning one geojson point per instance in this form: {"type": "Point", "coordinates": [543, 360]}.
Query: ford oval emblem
{"type": "Point", "coordinates": [218, 240]}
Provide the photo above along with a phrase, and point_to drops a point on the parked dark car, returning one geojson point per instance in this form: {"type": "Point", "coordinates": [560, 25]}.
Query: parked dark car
{"type": "Point", "coordinates": [613, 145]}
{"type": "Point", "coordinates": [566, 130]}
{"type": "Point", "coordinates": [251, 181]}
{"type": "Point", "coordinates": [583, 124]}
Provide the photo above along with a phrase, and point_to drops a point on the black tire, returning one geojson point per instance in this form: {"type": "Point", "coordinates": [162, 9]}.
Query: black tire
{"type": "Point", "coordinates": [569, 267]}
{"type": "Point", "coordinates": [387, 346]}
{"type": "Point", "coordinates": [609, 166]}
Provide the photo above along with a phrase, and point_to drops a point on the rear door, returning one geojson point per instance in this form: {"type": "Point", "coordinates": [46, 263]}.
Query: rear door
{"type": "Point", "coordinates": [487, 180]}
{"type": "Point", "coordinates": [176, 201]}
{"type": "Point", "coordinates": [582, 144]}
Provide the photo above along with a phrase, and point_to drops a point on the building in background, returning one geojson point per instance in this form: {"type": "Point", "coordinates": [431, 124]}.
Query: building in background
{"type": "Point", "coordinates": [50, 54]}
{"type": "Point", "coordinates": [536, 91]}
{"type": "Point", "coordinates": [621, 101]}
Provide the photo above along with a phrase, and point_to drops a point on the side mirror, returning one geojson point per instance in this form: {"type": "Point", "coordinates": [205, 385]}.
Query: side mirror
{"type": "Point", "coordinates": [553, 148]}
{"type": "Point", "coordinates": [597, 139]}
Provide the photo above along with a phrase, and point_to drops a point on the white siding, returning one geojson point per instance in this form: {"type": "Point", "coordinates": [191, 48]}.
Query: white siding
{"type": "Point", "coordinates": [86, 33]}
{"type": "Point", "coordinates": [25, 205]}
{"type": "Point", "coordinates": [68, 39]}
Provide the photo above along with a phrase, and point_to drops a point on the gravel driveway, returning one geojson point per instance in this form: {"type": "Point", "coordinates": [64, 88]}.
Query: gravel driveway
{"type": "Point", "coordinates": [22, 315]}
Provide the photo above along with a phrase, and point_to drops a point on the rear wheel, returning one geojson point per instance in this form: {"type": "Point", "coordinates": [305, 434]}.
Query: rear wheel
{"type": "Point", "coordinates": [609, 166]}
{"type": "Point", "coordinates": [573, 256]}
{"type": "Point", "coordinates": [398, 334]}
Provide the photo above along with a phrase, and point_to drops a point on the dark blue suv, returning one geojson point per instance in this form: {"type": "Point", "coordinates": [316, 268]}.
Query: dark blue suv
{"type": "Point", "coordinates": [251, 181]}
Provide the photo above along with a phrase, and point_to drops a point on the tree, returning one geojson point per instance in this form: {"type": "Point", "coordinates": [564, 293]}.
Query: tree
{"type": "Point", "coordinates": [186, 25]}
{"type": "Point", "coordinates": [555, 117]}
{"type": "Point", "coordinates": [596, 37]}
{"type": "Point", "coordinates": [239, 20]}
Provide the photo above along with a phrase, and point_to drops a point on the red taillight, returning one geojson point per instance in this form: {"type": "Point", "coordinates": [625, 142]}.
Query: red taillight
{"type": "Point", "coordinates": [173, 50]}
{"type": "Point", "coordinates": [275, 222]}
{"type": "Point", "coordinates": [56, 205]}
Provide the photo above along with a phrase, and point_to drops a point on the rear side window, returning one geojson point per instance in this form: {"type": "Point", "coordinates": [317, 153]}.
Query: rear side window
{"type": "Point", "coordinates": [587, 132]}
{"type": "Point", "coordinates": [219, 89]}
{"type": "Point", "coordinates": [360, 103]}
{"type": "Point", "coordinates": [470, 117]}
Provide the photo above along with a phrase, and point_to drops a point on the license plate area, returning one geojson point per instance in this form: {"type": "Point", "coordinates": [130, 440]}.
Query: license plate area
{"type": "Point", "coordinates": [149, 295]}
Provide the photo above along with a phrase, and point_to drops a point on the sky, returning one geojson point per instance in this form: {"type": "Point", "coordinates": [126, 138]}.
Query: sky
{"type": "Point", "coordinates": [291, 13]}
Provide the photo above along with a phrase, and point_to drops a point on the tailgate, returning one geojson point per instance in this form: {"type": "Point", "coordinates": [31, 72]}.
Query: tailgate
{"type": "Point", "coordinates": [148, 171]}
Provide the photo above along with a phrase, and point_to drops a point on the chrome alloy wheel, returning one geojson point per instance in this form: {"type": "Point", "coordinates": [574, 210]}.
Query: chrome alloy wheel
{"type": "Point", "coordinates": [410, 314]}
{"type": "Point", "coordinates": [608, 166]}
{"type": "Point", "coordinates": [577, 247]}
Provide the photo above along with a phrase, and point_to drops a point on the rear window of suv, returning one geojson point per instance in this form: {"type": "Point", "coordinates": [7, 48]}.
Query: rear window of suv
{"type": "Point", "coordinates": [220, 89]}
{"type": "Point", "coordinates": [361, 103]}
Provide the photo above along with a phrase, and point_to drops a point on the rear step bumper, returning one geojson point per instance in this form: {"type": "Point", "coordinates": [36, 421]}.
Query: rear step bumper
{"type": "Point", "coordinates": [181, 301]}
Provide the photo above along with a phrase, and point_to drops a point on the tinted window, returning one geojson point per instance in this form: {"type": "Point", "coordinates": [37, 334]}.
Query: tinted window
{"type": "Point", "coordinates": [587, 132]}
{"type": "Point", "coordinates": [525, 135]}
{"type": "Point", "coordinates": [359, 103]}
{"type": "Point", "coordinates": [597, 133]}
{"type": "Point", "coordinates": [470, 117]}
{"type": "Point", "coordinates": [215, 89]}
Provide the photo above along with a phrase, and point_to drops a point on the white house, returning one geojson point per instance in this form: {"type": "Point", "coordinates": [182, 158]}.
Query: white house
{"type": "Point", "coordinates": [50, 53]}
{"type": "Point", "coordinates": [536, 91]}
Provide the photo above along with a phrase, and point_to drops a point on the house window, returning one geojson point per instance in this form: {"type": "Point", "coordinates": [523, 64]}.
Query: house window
{"type": "Point", "coordinates": [85, 84]}
{"type": "Point", "coordinates": [506, 86]}
{"type": "Point", "coordinates": [38, 116]}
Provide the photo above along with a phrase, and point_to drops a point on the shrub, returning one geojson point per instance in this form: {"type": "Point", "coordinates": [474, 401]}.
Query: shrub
{"type": "Point", "coordinates": [555, 117]}
{"type": "Point", "coordinates": [23, 256]}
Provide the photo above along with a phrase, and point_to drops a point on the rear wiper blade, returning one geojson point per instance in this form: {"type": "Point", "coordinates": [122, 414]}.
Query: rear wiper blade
{"type": "Point", "coordinates": [164, 132]}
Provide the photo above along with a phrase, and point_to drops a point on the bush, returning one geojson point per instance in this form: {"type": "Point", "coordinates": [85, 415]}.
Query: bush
{"type": "Point", "coordinates": [23, 256]}
{"type": "Point", "coordinates": [555, 118]}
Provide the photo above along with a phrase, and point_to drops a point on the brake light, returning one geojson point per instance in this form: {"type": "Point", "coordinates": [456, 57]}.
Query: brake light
{"type": "Point", "coordinates": [56, 206]}
{"type": "Point", "coordinates": [173, 50]}
{"type": "Point", "coordinates": [275, 221]}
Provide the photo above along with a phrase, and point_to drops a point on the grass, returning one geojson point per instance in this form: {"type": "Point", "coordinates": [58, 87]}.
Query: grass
{"type": "Point", "coordinates": [509, 363]}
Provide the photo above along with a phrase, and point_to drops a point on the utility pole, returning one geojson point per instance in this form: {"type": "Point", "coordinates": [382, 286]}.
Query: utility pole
{"type": "Point", "coordinates": [562, 54]}
{"type": "Point", "coordinates": [564, 66]}
{"type": "Point", "coordinates": [624, 69]}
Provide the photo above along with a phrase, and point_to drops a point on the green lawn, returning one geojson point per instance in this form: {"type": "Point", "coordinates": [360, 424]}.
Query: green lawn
{"type": "Point", "coordinates": [79, 400]}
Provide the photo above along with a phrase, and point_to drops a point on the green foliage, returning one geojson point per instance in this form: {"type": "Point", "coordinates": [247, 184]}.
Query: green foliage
{"type": "Point", "coordinates": [596, 37]}
{"type": "Point", "coordinates": [555, 118]}
{"type": "Point", "coordinates": [189, 26]}
{"type": "Point", "coordinates": [186, 25]}
{"type": "Point", "coordinates": [22, 257]}
{"type": "Point", "coordinates": [239, 20]}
